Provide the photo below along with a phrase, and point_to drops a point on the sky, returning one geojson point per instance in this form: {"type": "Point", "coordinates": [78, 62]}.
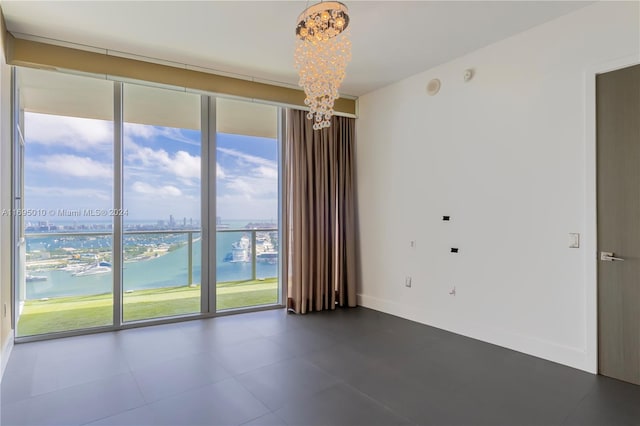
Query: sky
{"type": "Point", "coordinates": [69, 165]}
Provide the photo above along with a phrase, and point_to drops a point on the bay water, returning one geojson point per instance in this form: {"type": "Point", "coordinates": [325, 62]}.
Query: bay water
{"type": "Point", "coordinates": [168, 270]}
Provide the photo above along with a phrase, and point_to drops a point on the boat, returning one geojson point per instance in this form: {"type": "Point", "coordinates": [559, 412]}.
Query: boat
{"type": "Point", "coordinates": [100, 267]}
{"type": "Point", "coordinates": [92, 270]}
{"type": "Point", "coordinates": [35, 278]}
{"type": "Point", "coordinates": [74, 267]}
{"type": "Point", "coordinates": [241, 250]}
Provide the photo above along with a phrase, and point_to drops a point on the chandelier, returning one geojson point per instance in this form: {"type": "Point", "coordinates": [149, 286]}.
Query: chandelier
{"type": "Point", "coordinates": [323, 49]}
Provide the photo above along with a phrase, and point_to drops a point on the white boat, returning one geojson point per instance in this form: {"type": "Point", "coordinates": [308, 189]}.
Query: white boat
{"type": "Point", "coordinates": [34, 278]}
{"type": "Point", "coordinates": [241, 250]}
{"type": "Point", "coordinates": [92, 270]}
{"type": "Point", "coordinates": [96, 268]}
{"type": "Point", "coordinates": [74, 267]}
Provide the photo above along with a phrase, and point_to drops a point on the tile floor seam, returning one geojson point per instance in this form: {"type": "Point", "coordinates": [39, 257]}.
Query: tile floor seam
{"type": "Point", "coordinates": [380, 403]}
{"type": "Point", "coordinates": [71, 387]}
{"type": "Point", "coordinates": [173, 395]}
{"type": "Point", "coordinates": [115, 414]}
{"type": "Point", "coordinates": [235, 375]}
{"type": "Point", "coordinates": [577, 404]}
{"type": "Point", "coordinates": [139, 387]}
{"type": "Point", "coordinates": [253, 395]}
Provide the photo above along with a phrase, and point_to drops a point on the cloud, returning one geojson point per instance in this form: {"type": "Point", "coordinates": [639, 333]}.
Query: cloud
{"type": "Point", "coordinates": [177, 135]}
{"type": "Point", "coordinates": [238, 206]}
{"type": "Point", "coordinates": [220, 173]}
{"type": "Point", "coordinates": [248, 158]}
{"type": "Point", "coordinates": [146, 131]}
{"type": "Point", "coordinates": [140, 130]}
{"type": "Point", "coordinates": [253, 186]}
{"type": "Point", "coordinates": [181, 164]}
{"type": "Point", "coordinates": [252, 177]}
{"type": "Point", "coordinates": [161, 191]}
{"type": "Point", "coordinates": [184, 165]}
{"type": "Point", "coordinates": [267, 172]}
{"type": "Point", "coordinates": [73, 165]}
{"type": "Point", "coordinates": [82, 134]}
{"type": "Point", "coordinates": [68, 193]}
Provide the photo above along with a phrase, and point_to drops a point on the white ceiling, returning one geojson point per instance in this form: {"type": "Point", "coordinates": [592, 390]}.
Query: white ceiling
{"type": "Point", "coordinates": [391, 39]}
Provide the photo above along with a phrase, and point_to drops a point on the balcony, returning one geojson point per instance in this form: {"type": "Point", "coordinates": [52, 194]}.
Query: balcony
{"type": "Point", "coordinates": [68, 278]}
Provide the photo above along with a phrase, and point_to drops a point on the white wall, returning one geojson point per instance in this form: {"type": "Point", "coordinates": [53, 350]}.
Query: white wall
{"type": "Point", "coordinates": [505, 156]}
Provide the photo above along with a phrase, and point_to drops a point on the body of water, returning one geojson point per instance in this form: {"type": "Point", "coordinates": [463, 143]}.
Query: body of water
{"type": "Point", "coordinates": [168, 270]}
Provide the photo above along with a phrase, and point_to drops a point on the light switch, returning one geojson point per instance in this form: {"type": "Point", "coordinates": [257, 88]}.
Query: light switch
{"type": "Point", "coordinates": [574, 240]}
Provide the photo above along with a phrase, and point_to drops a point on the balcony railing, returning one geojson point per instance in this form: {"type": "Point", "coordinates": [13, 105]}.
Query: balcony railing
{"type": "Point", "coordinates": [253, 244]}
{"type": "Point", "coordinates": [190, 239]}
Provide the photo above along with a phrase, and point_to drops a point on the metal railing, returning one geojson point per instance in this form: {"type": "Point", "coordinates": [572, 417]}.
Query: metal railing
{"type": "Point", "coordinates": [189, 233]}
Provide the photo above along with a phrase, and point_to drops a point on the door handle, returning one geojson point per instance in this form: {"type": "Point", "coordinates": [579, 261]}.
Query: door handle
{"type": "Point", "coordinates": [608, 257]}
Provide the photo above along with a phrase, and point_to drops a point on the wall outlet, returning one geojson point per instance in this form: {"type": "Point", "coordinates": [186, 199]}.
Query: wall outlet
{"type": "Point", "coordinates": [407, 282]}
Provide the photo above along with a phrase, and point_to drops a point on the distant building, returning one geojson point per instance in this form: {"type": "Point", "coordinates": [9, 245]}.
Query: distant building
{"type": "Point", "coordinates": [261, 225]}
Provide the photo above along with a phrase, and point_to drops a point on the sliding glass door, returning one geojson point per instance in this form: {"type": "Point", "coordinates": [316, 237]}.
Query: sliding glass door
{"type": "Point", "coordinates": [136, 203]}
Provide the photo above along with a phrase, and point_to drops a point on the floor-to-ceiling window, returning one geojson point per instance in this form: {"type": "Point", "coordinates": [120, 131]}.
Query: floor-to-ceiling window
{"type": "Point", "coordinates": [65, 281]}
{"type": "Point", "coordinates": [161, 208]}
{"type": "Point", "coordinates": [121, 216]}
{"type": "Point", "coordinates": [247, 243]}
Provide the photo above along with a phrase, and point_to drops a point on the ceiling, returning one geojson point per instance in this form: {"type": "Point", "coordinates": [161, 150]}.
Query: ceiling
{"type": "Point", "coordinates": [391, 39]}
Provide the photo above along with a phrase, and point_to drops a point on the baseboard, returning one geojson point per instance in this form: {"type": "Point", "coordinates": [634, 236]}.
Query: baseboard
{"type": "Point", "coordinates": [6, 352]}
{"type": "Point", "coordinates": [551, 351]}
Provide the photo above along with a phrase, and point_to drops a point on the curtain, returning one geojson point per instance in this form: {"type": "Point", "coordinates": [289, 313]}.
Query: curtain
{"type": "Point", "coordinates": [319, 214]}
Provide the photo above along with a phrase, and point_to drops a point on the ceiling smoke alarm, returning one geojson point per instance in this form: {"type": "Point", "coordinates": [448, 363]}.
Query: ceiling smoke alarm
{"type": "Point", "coordinates": [433, 87]}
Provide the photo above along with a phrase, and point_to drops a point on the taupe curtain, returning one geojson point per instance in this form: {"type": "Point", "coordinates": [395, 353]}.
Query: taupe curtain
{"type": "Point", "coordinates": [319, 214]}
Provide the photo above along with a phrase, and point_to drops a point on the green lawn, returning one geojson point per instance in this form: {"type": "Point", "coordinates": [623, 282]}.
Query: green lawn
{"type": "Point", "coordinates": [71, 313]}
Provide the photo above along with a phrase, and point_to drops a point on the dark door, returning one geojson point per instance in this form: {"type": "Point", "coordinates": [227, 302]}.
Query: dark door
{"type": "Point", "coordinates": [618, 186]}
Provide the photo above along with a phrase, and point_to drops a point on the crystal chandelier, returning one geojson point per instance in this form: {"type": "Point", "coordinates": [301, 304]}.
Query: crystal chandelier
{"type": "Point", "coordinates": [323, 49]}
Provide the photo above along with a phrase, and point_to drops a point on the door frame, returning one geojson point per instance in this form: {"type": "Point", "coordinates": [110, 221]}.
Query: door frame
{"type": "Point", "coordinates": [591, 206]}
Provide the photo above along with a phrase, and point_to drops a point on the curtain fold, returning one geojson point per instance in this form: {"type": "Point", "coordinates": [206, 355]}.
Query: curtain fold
{"type": "Point", "coordinates": [319, 214]}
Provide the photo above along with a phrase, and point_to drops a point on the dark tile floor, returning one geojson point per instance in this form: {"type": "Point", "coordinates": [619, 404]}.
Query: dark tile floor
{"type": "Point", "coordinates": [349, 367]}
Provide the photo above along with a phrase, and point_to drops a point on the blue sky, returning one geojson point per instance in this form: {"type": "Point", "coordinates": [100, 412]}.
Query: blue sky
{"type": "Point", "coordinates": [68, 165]}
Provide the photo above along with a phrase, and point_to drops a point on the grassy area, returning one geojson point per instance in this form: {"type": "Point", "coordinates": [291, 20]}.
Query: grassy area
{"type": "Point", "coordinates": [71, 313]}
